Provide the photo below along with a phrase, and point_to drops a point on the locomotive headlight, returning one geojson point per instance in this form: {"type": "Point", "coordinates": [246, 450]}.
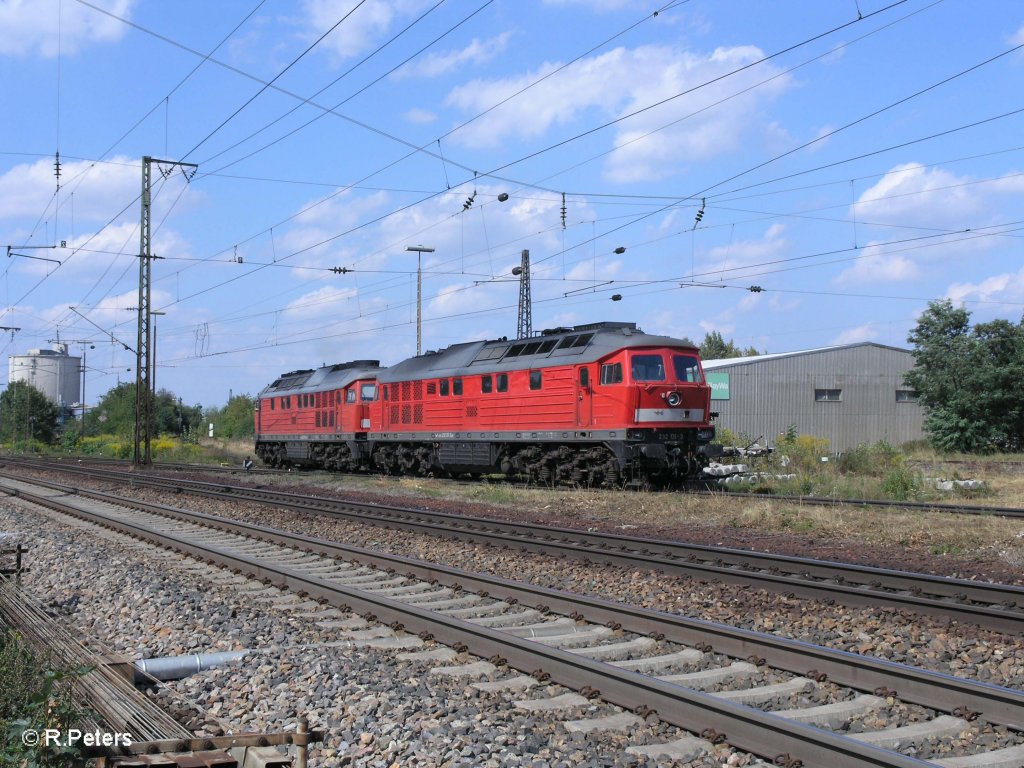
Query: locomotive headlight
{"type": "Point", "coordinates": [673, 399]}
{"type": "Point", "coordinates": [706, 434]}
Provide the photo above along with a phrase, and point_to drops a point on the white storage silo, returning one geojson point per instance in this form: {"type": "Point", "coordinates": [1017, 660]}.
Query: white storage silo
{"type": "Point", "coordinates": [53, 372]}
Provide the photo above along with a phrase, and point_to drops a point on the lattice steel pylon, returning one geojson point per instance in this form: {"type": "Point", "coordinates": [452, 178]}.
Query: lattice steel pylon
{"type": "Point", "coordinates": [525, 327]}
{"type": "Point", "coordinates": [144, 396]}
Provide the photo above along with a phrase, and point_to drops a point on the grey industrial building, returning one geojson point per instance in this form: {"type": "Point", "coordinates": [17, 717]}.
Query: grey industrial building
{"type": "Point", "coordinates": [849, 394]}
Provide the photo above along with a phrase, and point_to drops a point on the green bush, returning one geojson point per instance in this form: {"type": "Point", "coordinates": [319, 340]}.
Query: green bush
{"type": "Point", "coordinates": [873, 459]}
{"type": "Point", "coordinates": [34, 695]}
{"type": "Point", "coordinates": [902, 484]}
{"type": "Point", "coordinates": [803, 451]}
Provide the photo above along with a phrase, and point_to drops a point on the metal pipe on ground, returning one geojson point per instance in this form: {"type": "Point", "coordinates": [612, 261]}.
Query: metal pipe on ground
{"type": "Point", "coordinates": [177, 667]}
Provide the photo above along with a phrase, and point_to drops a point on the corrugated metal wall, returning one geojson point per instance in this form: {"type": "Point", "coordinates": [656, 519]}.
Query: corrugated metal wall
{"type": "Point", "coordinates": [767, 396]}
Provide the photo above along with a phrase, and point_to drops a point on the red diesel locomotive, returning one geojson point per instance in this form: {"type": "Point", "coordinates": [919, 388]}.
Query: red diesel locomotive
{"type": "Point", "coordinates": [601, 405]}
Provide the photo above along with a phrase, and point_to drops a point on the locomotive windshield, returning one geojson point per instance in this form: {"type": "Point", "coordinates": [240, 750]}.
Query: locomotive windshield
{"type": "Point", "coordinates": [648, 368]}
{"type": "Point", "coordinates": [687, 368]}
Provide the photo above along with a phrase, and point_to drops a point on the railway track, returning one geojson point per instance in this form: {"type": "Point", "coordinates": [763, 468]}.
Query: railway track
{"type": "Point", "coordinates": [997, 606]}
{"type": "Point", "coordinates": [818, 501]}
{"type": "Point", "coordinates": [626, 655]}
{"type": "Point", "coordinates": [956, 509]}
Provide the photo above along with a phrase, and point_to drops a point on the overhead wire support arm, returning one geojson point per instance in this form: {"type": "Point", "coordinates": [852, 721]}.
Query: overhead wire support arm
{"type": "Point", "coordinates": [106, 333]}
{"type": "Point", "coordinates": [144, 395]}
{"type": "Point", "coordinates": [11, 252]}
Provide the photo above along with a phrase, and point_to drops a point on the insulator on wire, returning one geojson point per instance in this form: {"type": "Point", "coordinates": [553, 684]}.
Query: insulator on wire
{"type": "Point", "coordinates": [563, 210]}
{"type": "Point", "coordinates": [700, 213]}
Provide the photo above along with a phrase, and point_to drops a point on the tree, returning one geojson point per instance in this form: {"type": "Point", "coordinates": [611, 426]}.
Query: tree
{"type": "Point", "coordinates": [115, 414]}
{"type": "Point", "coordinates": [714, 347]}
{"type": "Point", "coordinates": [26, 413]}
{"type": "Point", "coordinates": [235, 420]}
{"type": "Point", "coordinates": [970, 381]}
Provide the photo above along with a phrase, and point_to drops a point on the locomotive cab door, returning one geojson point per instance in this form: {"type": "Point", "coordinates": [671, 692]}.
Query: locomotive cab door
{"type": "Point", "coordinates": [367, 394]}
{"type": "Point", "coordinates": [584, 398]}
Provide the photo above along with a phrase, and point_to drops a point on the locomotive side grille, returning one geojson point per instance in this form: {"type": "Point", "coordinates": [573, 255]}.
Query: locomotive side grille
{"type": "Point", "coordinates": [417, 390]}
{"type": "Point", "coordinates": [394, 391]}
{"type": "Point", "coordinates": [406, 414]}
{"type": "Point", "coordinates": [471, 411]}
{"type": "Point", "coordinates": [394, 414]}
{"type": "Point", "coordinates": [417, 413]}
{"type": "Point", "coordinates": [431, 387]}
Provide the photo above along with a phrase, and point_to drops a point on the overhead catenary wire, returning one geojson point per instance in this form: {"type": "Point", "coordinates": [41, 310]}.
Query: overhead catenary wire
{"type": "Point", "coordinates": [491, 173]}
{"type": "Point", "coordinates": [814, 38]}
{"type": "Point", "coordinates": [782, 213]}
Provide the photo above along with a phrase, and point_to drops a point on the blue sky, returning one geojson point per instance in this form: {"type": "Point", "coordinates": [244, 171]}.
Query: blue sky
{"type": "Point", "coordinates": [853, 159]}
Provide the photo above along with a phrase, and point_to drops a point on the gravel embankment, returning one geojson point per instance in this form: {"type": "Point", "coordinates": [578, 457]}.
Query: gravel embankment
{"type": "Point", "coordinates": [377, 710]}
{"type": "Point", "coordinates": [923, 641]}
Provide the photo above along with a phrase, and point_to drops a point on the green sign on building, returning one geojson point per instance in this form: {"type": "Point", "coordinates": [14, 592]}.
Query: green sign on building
{"type": "Point", "coordinates": [719, 385]}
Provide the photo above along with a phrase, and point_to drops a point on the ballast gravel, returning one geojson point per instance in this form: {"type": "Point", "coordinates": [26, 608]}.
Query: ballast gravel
{"type": "Point", "coordinates": [929, 642]}
{"type": "Point", "coordinates": [142, 602]}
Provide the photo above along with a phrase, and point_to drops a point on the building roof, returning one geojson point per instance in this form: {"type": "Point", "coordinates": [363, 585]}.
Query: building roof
{"type": "Point", "coordinates": [729, 362]}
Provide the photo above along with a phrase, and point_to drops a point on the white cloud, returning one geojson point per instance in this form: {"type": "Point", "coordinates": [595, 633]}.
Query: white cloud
{"type": "Point", "coordinates": [926, 201]}
{"type": "Point", "coordinates": [865, 332]}
{"type": "Point", "coordinates": [875, 265]}
{"type": "Point", "coordinates": [327, 299]}
{"type": "Point", "coordinates": [362, 30]}
{"type": "Point", "coordinates": [434, 64]}
{"type": "Point", "coordinates": [1018, 37]}
{"type": "Point", "coordinates": [601, 6]}
{"type": "Point", "coordinates": [27, 26]}
{"type": "Point", "coordinates": [103, 249]}
{"type": "Point", "coordinates": [623, 81]}
{"type": "Point", "coordinates": [910, 195]}
{"type": "Point", "coordinates": [1008, 287]}
{"type": "Point", "coordinates": [724, 327]}
{"type": "Point", "coordinates": [746, 252]}
{"type": "Point", "coordinates": [419, 116]}
{"type": "Point", "coordinates": [99, 190]}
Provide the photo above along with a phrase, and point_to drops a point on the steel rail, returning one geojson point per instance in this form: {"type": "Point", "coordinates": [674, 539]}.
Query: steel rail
{"type": "Point", "coordinates": [938, 691]}
{"type": "Point", "coordinates": [820, 501]}
{"type": "Point", "coordinates": [997, 606]}
{"type": "Point", "coordinates": [817, 501]}
{"type": "Point", "coordinates": [745, 727]}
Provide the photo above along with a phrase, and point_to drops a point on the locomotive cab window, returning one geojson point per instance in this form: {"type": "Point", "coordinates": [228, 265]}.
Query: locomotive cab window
{"type": "Point", "coordinates": [368, 392]}
{"type": "Point", "coordinates": [503, 382]}
{"type": "Point", "coordinates": [584, 377]}
{"type": "Point", "coordinates": [271, 403]}
{"type": "Point", "coordinates": [444, 387]}
{"type": "Point", "coordinates": [456, 386]}
{"type": "Point", "coordinates": [611, 373]}
{"type": "Point", "coordinates": [535, 379]}
{"type": "Point", "coordinates": [648, 368]}
{"type": "Point", "coordinates": [486, 384]}
{"type": "Point", "coordinates": [350, 395]}
{"type": "Point", "coordinates": [686, 368]}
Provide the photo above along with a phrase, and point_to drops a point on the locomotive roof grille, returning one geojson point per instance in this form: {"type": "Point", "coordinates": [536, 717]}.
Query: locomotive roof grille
{"type": "Point", "coordinates": [491, 353]}
{"type": "Point", "coordinates": [355, 364]}
{"type": "Point", "coordinates": [292, 380]}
